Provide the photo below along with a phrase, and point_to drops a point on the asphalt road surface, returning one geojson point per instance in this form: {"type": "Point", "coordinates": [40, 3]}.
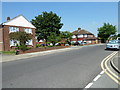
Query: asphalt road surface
{"type": "Point", "coordinates": [68, 69]}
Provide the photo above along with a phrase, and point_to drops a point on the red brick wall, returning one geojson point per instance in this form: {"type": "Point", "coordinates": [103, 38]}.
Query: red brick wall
{"type": "Point", "coordinates": [34, 39]}
{"type": "Point", "coordinates": [6, 39]}
{"type": "Point", "coordinates": [1, 39]}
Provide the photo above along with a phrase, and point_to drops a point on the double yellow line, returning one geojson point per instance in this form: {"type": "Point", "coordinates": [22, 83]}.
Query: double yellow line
{"type": "Point", "coordinates": [107, 70]}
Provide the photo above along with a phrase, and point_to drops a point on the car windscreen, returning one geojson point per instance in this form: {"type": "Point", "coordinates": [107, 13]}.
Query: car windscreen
{"type": "Point", "coordinates": [114, 42]}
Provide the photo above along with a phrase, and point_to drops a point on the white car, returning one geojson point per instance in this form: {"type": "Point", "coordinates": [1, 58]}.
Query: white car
{"type": "Point", "coordinates": [113, 44]}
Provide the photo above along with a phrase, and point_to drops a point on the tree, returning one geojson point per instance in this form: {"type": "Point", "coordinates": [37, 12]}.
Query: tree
{"type": "Point", "coordinates": [113, 37]}
{"type": "Point", "coordinates": [22, 37]}
{"type": "Point", "coordinates": [106, 31]}
{"type": "Point", "coordinates": [67, 36]}
{"type": "Point", "coordinates": [47, 23]}
{"type": "Point", "coordinates": [54, 38]}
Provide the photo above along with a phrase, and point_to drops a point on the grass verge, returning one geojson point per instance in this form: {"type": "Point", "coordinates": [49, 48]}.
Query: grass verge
{"type": "Point", "coordinates": [7, 52]}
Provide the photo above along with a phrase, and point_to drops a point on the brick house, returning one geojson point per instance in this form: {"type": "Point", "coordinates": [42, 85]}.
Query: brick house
{"type": "Point", "coordinates": [19, 23]}
{"type": "Point", "coordinates": [83, 36]}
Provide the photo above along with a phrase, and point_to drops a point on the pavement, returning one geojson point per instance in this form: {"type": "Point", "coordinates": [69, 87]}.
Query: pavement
{"type": "Point", "coordinates": [6, 58]}
{"type": "Point", "coordinates": [66, 69]}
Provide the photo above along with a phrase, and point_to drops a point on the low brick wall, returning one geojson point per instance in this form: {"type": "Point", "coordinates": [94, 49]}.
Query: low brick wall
{"type": "Point", "coordinates": [44, 49]}
{"type": "Point", "coordinates": [1, 47]}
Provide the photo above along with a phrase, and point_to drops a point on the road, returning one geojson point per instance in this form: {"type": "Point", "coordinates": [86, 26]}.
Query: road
{"type": "Point", "coordinates": [69, 69]}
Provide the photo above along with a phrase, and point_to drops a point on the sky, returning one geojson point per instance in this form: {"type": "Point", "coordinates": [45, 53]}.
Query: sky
{"type": "Point", "coordinates": [86, 15]}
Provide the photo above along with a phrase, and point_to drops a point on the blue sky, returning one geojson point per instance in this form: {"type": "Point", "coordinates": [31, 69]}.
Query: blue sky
{"type": "Point", "coordinates": [86, 15]}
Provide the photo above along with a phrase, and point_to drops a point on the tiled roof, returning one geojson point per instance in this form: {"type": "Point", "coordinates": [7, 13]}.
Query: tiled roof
{"type": "Point", "coordinates": [81, 31]}
{"type": "Point", "coordinates": [90, 38]}
{"type": "Point", "coordinates": [13, 18]}
{"type": "Point", "coordinates": [19, 20]}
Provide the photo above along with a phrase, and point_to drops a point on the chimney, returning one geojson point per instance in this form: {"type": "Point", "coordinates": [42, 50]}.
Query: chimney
{"type": "Point", "coordinates": [79, 28]}
{"type": "Point", "coordinates": [8, 18]}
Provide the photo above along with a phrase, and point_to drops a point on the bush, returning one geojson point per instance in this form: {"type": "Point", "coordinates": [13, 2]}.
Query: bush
{"type": "Point", "coordinates": [48, 43]}
{"type": "Point", "coordinates": [72, 43]}
{"type": "Point", "coordinates": [38, 45]}
{"type": "Point", "coordinates": [23, 47]}
{"type": "Point", "coordinates": [50, 46]}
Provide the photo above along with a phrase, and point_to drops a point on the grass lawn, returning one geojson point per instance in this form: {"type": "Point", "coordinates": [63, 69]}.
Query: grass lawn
{"type": "Point", "coordinates": [7, 52]}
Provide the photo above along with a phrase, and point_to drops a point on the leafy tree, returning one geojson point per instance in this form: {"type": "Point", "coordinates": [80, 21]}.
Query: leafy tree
{"type": "Point", "coordinates": [106, 31]}
{"type": "Point", "coordinates": [67, 36]}
{"type": "Point", "coordinates": [47, 23]}
{"type": "Point", "coordinates": [22, 37]}
{"type": "Point", "coordinates": [54, 38]}
{"type": "Point", "coordinates": [118, 35]}
{"type": "Point", "coordinates": [113, 37]}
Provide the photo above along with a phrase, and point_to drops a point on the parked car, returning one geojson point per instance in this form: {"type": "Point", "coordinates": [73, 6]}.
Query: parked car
{"type": "Point", "coordinates": [44, 44]}
{"type": "Point", "coordinates": [118, 38]}
{"type": "Point", "coordinates": [113, 44]}
{"type": "Point", "coordinates": [76, 44]}
{"type": "Point", "coordinates": [67, 45]}
{"type": "Point", "coordinates": [83, 43]}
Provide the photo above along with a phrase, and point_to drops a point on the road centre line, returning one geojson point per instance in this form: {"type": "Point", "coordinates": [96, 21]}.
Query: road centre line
{"type": "Point", "coordinates": [89, 85]}
{"type": "Point", "coordinates": [97, 77]}
{"type": "Point", "coordinates": [102, 72]}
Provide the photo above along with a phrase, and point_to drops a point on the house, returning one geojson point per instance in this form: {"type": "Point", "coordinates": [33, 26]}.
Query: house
{"type": "Point", "coordinates": [83, 36]}
{"type": "Point", "coordinates": [19, 23]}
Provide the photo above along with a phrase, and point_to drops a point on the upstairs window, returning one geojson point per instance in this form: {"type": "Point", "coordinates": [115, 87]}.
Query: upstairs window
{"type": "Point", "coordinates": [80, 36]}
{"type": "Point", "coordinates": [85, 35]}
{"type": "Point", "coordinates": [73, 36]}
{"type": "Point", "coordinates": [13, 29]}
{"type": "Point", "coordinates": [28, 30]}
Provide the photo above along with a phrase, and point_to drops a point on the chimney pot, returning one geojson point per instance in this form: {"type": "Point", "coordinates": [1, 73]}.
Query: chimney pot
{"type": "Point", "coordinates": [79, 28]}
{"type": "Point", "coordinates": [8, 18]}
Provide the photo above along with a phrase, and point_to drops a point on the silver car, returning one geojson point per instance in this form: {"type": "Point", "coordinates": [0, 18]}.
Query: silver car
{"type": "Point", "coordinates": [113, 44]}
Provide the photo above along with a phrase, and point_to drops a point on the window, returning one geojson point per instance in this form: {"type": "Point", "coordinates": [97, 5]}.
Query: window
{"type": "Point", "coordinates": [14, 42]}
{"type": "Point", "coordinates": [29, 42]}
{"type": "Point", "coordinates": [80, 36]}
{"type": "Point", "coordinates": [90, 36]}
{"type": "Point", "coordinates": [27, 30]}
{"type": "Point", "coordinates": [13, 29]}
{"type": "Point", "coordinates": [73, 36]}
{"type": "Point", "coordinates": [85, 35]}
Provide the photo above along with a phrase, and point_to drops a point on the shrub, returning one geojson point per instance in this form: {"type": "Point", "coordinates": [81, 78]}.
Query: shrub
{"type": "Point", "coordinates": [38, 45]}
{"type": "Point", "coordinates": [23, 47]}
{"type": "Point", "coordinates": [50, 46]}
{"type": "Point", "coordinates": [72, 43]}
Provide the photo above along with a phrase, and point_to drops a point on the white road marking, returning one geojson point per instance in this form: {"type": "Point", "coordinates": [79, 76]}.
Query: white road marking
{"type": "Point", "coordinates": [96, 78]}
{"type": "Point", "coordinates": [102, 72]}
{"type": "Point", "coordinates": [89, 85]}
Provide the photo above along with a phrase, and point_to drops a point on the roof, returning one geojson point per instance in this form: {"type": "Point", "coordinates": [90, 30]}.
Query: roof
{"type": "Point", "coordinates": [81, 31]}
{"type": "Point", "coordinates": [19, 20]}
{"type": "Point", "coordinates": [90, 38]}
